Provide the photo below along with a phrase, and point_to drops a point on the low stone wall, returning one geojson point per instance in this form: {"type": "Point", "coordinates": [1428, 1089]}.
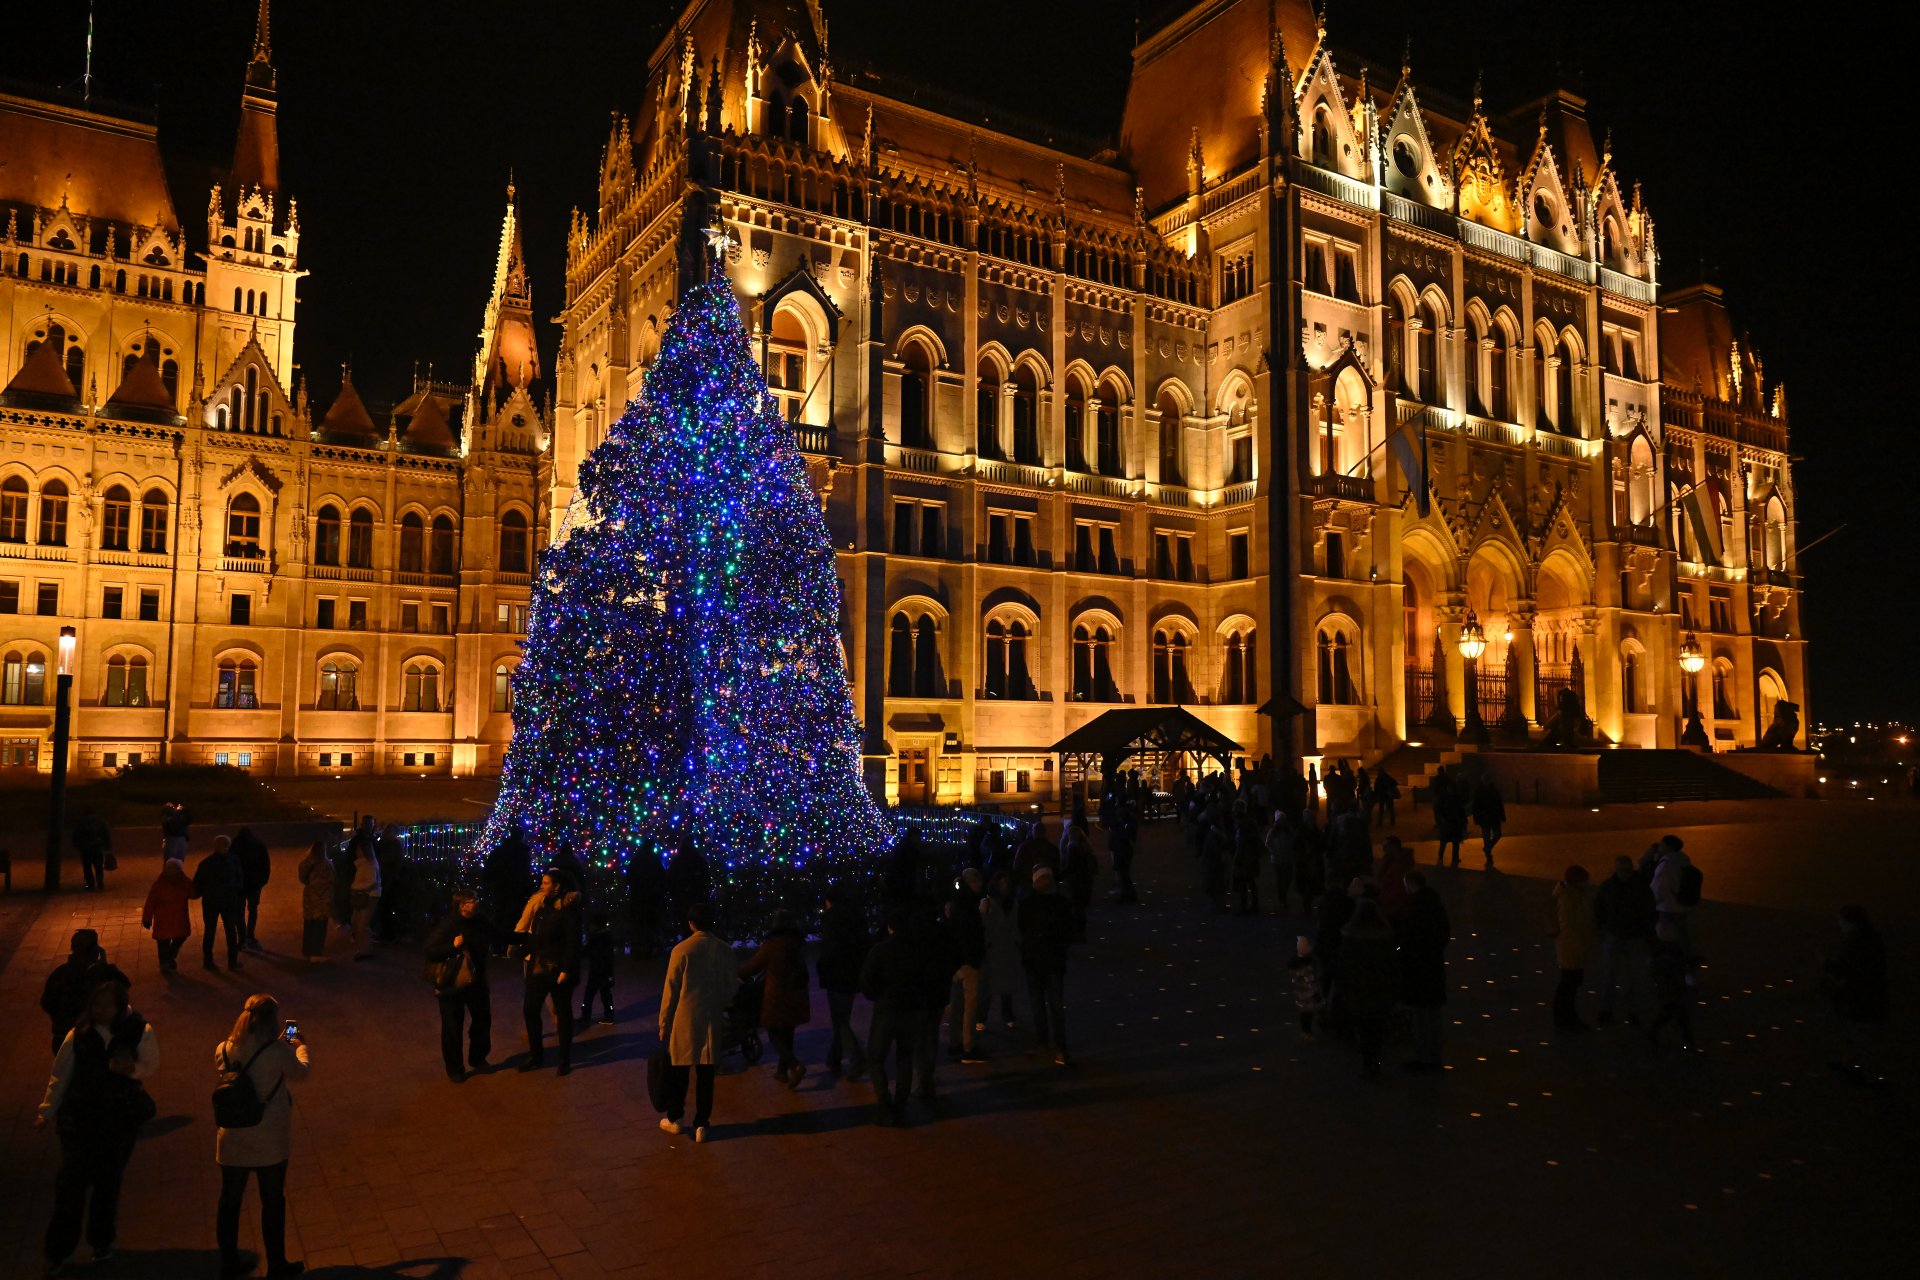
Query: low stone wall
{"type": "Point", "coordinates": [1541, 777]}
{"type": "Point", "coordinates": [1791, 773]}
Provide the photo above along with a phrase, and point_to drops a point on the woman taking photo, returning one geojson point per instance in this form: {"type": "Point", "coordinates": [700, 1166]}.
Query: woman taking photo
{"type": "Point", "coordinates": [263, 1056]}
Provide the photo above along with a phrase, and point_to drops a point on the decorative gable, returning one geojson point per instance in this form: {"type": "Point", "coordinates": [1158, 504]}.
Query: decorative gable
{"type": "Point", "coordinates": [248, 397]}
{"type": "Point", "coordinates": [1553, 217]}
{"type": "Point", "coordinates": [1413, 168]}
{"type": "Point", "coordinates": [1326, 135]}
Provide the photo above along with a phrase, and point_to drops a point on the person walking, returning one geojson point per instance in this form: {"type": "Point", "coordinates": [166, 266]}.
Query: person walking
{"type": "Point", "coordinates": [784, 1006]}
{"type": "Point", "coordinates": [364, 895]}
{"type": "Point", "coordinates": [1450, 817]}
{"type": "Point", "coordinates": [1669, 964]}
{"type": "Point", "coordinates": [702, 976]}
{"type": "Point", "coordinates": [1396, 863]}
{"type": "Point", "coordinates": [1309, 863]}
{"type": "Point", "coordinates": [892, 978]}
{"type": "Point", "coordinates": [843, 949]}
{"type": "Point", "coordinates": [457, 955]}
{"type": "Point", "coordinates": [1247, 847]}
{"type": "Point", "coordinates": [1573, 933]}
{"type": "Point", "coordinates": [967, 925]}
{"type": "Point", "coordinates": [1676, 889]}
{"type": "Point", "coordinates": [1046, 932]}
{"type": "Point", "coordinates": [261, 1052]}
{"type": "Point", "coordinates": [1077, 870]}
{"type": "Point", "coordinates": [175, 824]}
{"type": "Point", "coordinates": [167, 915]}
{"type": "Point", "coordinates": [1280, 844]}
{"type": "Point", "coordinates": [1385, 792]}
{"type": "Point", "coordinates": [1623, 915]}
{"type": "Point", "coordinates": [1489, 814]}
{"type": "Point", "coordinates": [1002, 936]}
{"type": "Point", "coordinates": [1123, 833]}
{"type": "Point", "coordinates": [218, 884]}
{"type": "Point", "coordinates": [1424, 934]}
{"type": "Point", "coordinates": [1365, 982]}
{"type": "Point", "coordinates": [93, 841]}
{"type": "Point", "coordinates": [549, 934]}
{"type": "Point", "coordinates": [96, 1104]}
{"type": "Point", "coordinates": [64, 997]}
{"type": "Point", "coordinates": [316, 902]}
{"type": "Point", "coordinates": [1853, 978]}
{"type": "Point", "coordinates": [506, 880]}
{"type": "Point", "coordinates": [600, 958]}
{"type": "Point", "coordinates": [256, 868]}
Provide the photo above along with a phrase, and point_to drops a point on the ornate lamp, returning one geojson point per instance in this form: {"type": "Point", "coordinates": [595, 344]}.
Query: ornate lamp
{"type": "Point", "coordinates": [1473, 643]}
{"type": "Point", "coordinates": [1692, 661]}
{"type": "Point", "coordinates": [1473, 640]}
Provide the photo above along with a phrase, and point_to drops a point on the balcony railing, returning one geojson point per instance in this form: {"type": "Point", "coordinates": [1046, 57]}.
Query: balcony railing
{"type": "Point", "coordinates": [1237, 494]}
{"type": "Point", "coordinates": [140, 559]}
{"type": "Point", "coordinates": [1344, 487]}
{"type": "Point", "coordinates": [1100, 486]}
{"type": "Point", "coordinates": [1011, 473]}
{"type": "Point", "coordinates": [244, 564]}
{"type": "Point", "coordinates": [1624, 285]}
{"type": "Point", "coordinates": [33, 551]}
{"type": "Point", "coordinates": [345, 573]}
{"type": "Point", "coordinates": [810, 439]}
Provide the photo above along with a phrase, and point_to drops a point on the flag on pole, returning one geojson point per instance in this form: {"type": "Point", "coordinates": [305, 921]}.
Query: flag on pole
{"type": "Point", "coordinates": [1409, 448]}
{"type": "Point", "coordinates": [1697, 502]}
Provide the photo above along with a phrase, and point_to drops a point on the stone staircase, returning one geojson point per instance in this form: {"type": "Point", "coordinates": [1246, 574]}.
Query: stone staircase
{"type": "Point", "coordinates": [1638, 777]}
{"type": "Point", "coordinates": [1414, 767]}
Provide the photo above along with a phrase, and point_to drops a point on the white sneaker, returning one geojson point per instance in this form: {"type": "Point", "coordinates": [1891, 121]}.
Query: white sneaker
{"type": "Point", "coordinates": [670, 1126]}
{"type": "Point", "coordinates": [700, 1134]}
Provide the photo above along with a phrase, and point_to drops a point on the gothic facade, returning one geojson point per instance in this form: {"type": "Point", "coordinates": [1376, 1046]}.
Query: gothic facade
{"type": "Point", "coordinates": [1255, 414]}
{"type": "Point", "coordinates": [251, 582]}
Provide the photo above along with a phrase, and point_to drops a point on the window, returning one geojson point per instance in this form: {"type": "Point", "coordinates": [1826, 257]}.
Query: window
{"type": "Point", "coordinates": [23, 678]}
{"type": "Point", "coordinates": [1023, 552]}
{"type": "Point", "coordinates": [1162, 555]}
{"type": "Point", "coordinates": [442, 619]}
{"type": "Point", "coordinates": [1092, 668]}
{"type": "Point", "coordinates": [1563, 414]}
{"type": "Point", "coordinates": [356, 615]}
{"type": "Point", "coordinates": [153, 522]}
{"type": "Point", "coordinates": [420, 687]}
{"type": "Point", "coordinates": [1723, 704]}
{"type": "Point", "coordinates": [503, 687]}
{"type": "Point", "coordinates": [1007, 675]}
{"type": "Point", "coordinates": [360, 539]}
{"type": "Point", "coordinates": [326, 536]}
{"type": "Point", "coordinates": [1109, 555]}
{"type": "Point", "coordinates": [1425, 343]}
{"type": "Point", "coordinates": [999, 546]}
{"type": "Point", "coordinates": [326, 759]}
{"type": "Point", "coordinates": [933, 540]}
{"type": "Point", "coordinates": [221, 758]}
{"type": "Point", "coordinates": [1719, 612]}
{"type": "Point", "coordinates": [1397, 344]}
{"type": "Point", "coordinates": [53, 514]}
{"type": "Point", "coordinates": [9, 597]}
{"type": "Point", "coordinates": [1346, 273]}
{"type": "Point", "coordinates": [986, 414]}
{"type": "Point", "coordinates": [1026, 431]}
{"type": "Point", "coordinates": [1170, 682]}
{"type": "Point", "coordinates": [1336, 554]}
{"type": "Point", "coordinates": [236, 688]}
{"type": "Point", "coordinates": [511, 617]}
{"type": "Point", "coordinates": [47, 600]}
{"type": "Point", "coordinates": [413, 538]}
{"type": "Point", "coordinates": [323, 613]}
{"type": "Point", "coordinates": [339, 685]}
{"type": "Point", "coordinates": [1236, 669]}
{"type": "Point", "coordinates": [787, 363]}
{"type": "Point", "coordinates": [240, 610]}
{"type": "Point", "coordinates": [410, 615]}
{"type": "Point", "coordinates": [1183, 557]}
{"type": "Point", "coordinates": [1241, 462]}
{"type": "Point", "coordinates": [513, 543]}
{"type": "Point", "coordinates": [914, 666]}
{"type": "Point", "coordinates": [1630, 681]}
{"type": "Point", "coordinates": [110, 601]}
{"type": "Point", "coordinates": [442, 548]}
{"type": "Point", "coordinates": [1236, 276]}
{"type": "Point", "coordinates": [149, 604]}
{"type": "Point", "coordinates": [1172, 434]}
{"type": "Point", "coordinates": [916, 399]}
{"type": "Point", "coordinates": [126, 682]}
{"type": "Point", "coordinates": [243, 526]}
{"type": "Point", "coordinates": [116, 518]}
{"type": "Point", "coordinates": [1083, 560]}
{"type": "Point", "coordinates": [245, 759]}
{"type": "Point", "coordinates": [1076, 428]}
{"type": "Point", "coordinates": [1106, 427]}
{"type": "Point", "coordinates": [1314, 260]}
{"type": "Point", "coordinates": [1239, 544]}
{"type": "Point", "coordinates": [903, 528]}
{"type": "Point", "coordinates": [1496, 397]}
{"type": "Point", "coordinates": [1336, 681]}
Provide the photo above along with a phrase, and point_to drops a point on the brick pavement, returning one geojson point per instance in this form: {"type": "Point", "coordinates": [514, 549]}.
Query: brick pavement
{"type": "Point", "coordinates": [1197, 1134]}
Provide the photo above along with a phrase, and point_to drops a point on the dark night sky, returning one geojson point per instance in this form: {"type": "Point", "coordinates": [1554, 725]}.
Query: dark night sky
{"type": "Point", "coordinates": [399, 122]}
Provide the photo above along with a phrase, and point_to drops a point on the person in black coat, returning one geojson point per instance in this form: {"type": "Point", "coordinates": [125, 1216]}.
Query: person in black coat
{"type": "Point", "coordinates": [1450, 817]}
{"type": "Point", "coordinates": [1489, 814]}
{"type": "Point", "coordinates": [1424, 936]}
{"type": "Point", "coordinates": [505, 881]}
{"type": "Point", "coordinates": [893, 976]}
{"type": "Point", "coordinates": [93, 841]}
{"type": "Point", "coordinates": [465, 998]}
{"type": "Point", "coordinates": [256, 868]}
{"type": "Point", "coordinates": [1854, 980]}
{"type": "Point", "coordinates": [1623, 910]}
{"type": "Point", "coordinates": [1046, 932]}
{"type": "Point", "coordinates": [844, 942]}
{"type": "Point", "coordinates": [64, 998]}
{"type": "Point", "coordinates": [549, 937]}
{"type": "Point", "coordinates": [941, 952]}
{"type": "Point", "coordinates": [221, 885]}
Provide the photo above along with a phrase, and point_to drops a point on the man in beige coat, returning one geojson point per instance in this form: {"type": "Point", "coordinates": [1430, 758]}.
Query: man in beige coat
{"type": "Point", "coordinates": [702, 976]}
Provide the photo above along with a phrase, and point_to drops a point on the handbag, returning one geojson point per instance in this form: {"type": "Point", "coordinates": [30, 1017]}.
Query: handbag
{"type": "Point", "coordinates": [445, 974]}
{"type": "Point", "coordinates": [657, 1064]}
{"type": "Point", "coordinates": [112, 863]}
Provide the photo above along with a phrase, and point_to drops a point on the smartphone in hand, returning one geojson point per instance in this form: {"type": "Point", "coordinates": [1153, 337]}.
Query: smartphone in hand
{"type": "Point", "coordinates": [292, 1032]}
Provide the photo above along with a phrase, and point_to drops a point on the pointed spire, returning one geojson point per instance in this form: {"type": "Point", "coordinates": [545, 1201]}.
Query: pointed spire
{"type": "Point", "coordinates": [1406, 61]}
{"type": "Point", "coordinates": [713, 98]}
{"type": "Point", "coordinates": [348, 417]}
{"type": "Point", "coordinates": [256, 151]}
{"type": "Point", "coordinates": [263, 33]}
{"type": "Point", "coordinates": [41, 376]}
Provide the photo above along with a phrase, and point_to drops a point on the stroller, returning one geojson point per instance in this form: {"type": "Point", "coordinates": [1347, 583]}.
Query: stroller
{"type": "Point", "coordinates": [740, 1028]}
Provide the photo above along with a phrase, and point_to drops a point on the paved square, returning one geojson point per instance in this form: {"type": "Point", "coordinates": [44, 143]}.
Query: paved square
{"type": "Point", "coordinates": [1198, 1134]}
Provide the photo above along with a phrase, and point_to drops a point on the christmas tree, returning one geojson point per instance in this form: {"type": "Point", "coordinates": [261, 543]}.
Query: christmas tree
{"type": "Point", "coordinates": [683, 678]}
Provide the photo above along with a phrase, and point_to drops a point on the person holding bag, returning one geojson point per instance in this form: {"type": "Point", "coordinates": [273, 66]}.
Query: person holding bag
{"type": "Point", "coordinates": [254, 1111]}
{"type": "Point", "coordinates": [457, 955]}
{"type": "Point", "coordinates": [96, 1104]}
{"type": "Point", "coordinates": [549, 929]}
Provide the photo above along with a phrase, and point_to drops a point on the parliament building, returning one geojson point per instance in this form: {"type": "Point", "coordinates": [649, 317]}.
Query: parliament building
{"type": "Point", "coordinates": [1311, 385]}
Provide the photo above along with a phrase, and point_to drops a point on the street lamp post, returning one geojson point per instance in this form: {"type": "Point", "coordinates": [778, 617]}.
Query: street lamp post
{"type": "Point", "coordinates": [62, 729]}
{"type": "Point", "coordinates": [1692, 661]}
{"type": "Point", "coordinates": [1473, 643]}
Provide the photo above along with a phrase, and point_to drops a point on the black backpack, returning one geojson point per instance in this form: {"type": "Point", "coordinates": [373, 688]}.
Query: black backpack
{"type": "Point", "coordinates": [236, 1103]}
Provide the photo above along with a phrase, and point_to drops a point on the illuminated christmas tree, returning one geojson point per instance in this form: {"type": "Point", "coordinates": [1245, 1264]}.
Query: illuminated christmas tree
{"type": "Point", "coordinates": [683, 677]}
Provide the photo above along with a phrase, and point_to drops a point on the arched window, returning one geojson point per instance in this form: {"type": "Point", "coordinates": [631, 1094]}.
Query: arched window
{"type": "Point", "coordinates": [441, 552]}
{"type": "Point", "coordinates": [1322, 140]}
{"type": "Point", "coordinates": [1426, 345]}
{"type": "Point", "coordinates": [1170, 682]}
{"type": "Point", "coordinates": [1496, 400]}
{"type": "Point", "coordinates": [243, 526]}
{"type": "Point", "coordinates": [126, 682]}
{"type": "Point", "coordinates": [169, 375]}
{"type": "Point", "coordinates": [249, 423]}
{"type": "Point", "coordinates": [1724, 705]}
{"type": "Point", "coordinates": [413, 540]}
{"type": "Point", "coordinates": [1076, 426]}
{"type": "Point", "coordinates": [420, 687]}
{"type": "Point", "coordinates": [1336, 680]}
{"type": "Point", "coordinates": [1092, 665]}
{"type": "Point", "coordinates": [153, 522]}
{"type": "Point", "coordinates": [360, 539]}
{"type": "Point", "coordinates": [77, 369]}
{"type": "Point", "coordinates": [1640, 486]}
{"type": "Point", "coordinates": [1236, 670]}
{"type": "Point", "coordinates": [1172, 433]}
{"type": "Point", "coordinates": [1770, 547]}
{"type": "Point", "coordinates": [326, 536]}
{"type": "Point", "coordinates": [23, 678]}
{"type": "Point", "coordinates": [1106, 430]}
{"type": "Point", "coordinates": [787, 362]}
{"type": "Point", "coordinates": [236, 297]}
{"type": "Point", "coordinates": [900, 658]}
{"type": "Point", "coordinates": [116, 511]}
{"type": "Point", "coordinates": [926, 658]}
{"type": "Point", "coordinates": [987, 411]}
{"type": "Point", "coordinates": [916, 397]}
{"type": "Point", "coordinates": [1007, 675]}
{"type": "Point", "coordinates": [237, 687]}
{"type": "Point", "coordinates": [1563, 415]}
{"type": "Point", "coordinates": [1542, 380]}
{"type": "Point", "coordinates": [1397, 375]}
{"type": "Point", "coordinates": [1475, 354]}
{"type": "Point", "coordinates": [1026, 428]}
{"type": "Point", "coordinates": [513, 543]}
{"type": "Point", "coordinates": [339, 685]}
{"type": "Point", "coordinates": [502, 687]}
{"type": "Point", "coordinates": [53, 514]}
{"type": "Point", "coordinates": [1631, 668]}
{"type": "Point", "coordinates": [13, 509]}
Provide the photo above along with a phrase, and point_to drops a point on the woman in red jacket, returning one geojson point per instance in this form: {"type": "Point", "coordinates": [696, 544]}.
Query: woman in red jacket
{"type": "Point", "coordinates": [166, 913]}
{"type": "Point", "coordinates": [784, 999]}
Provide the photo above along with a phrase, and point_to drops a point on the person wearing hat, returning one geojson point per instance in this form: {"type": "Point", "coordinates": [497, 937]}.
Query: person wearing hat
{"type": "Point", "coordinates": [64, 998]}
{"type": "Point", "coordinates": [1046, 931]}
{"type": "Point", "coordinates": [549, 935]}
{"type": "Point", "coordinates": [1573, 933]}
